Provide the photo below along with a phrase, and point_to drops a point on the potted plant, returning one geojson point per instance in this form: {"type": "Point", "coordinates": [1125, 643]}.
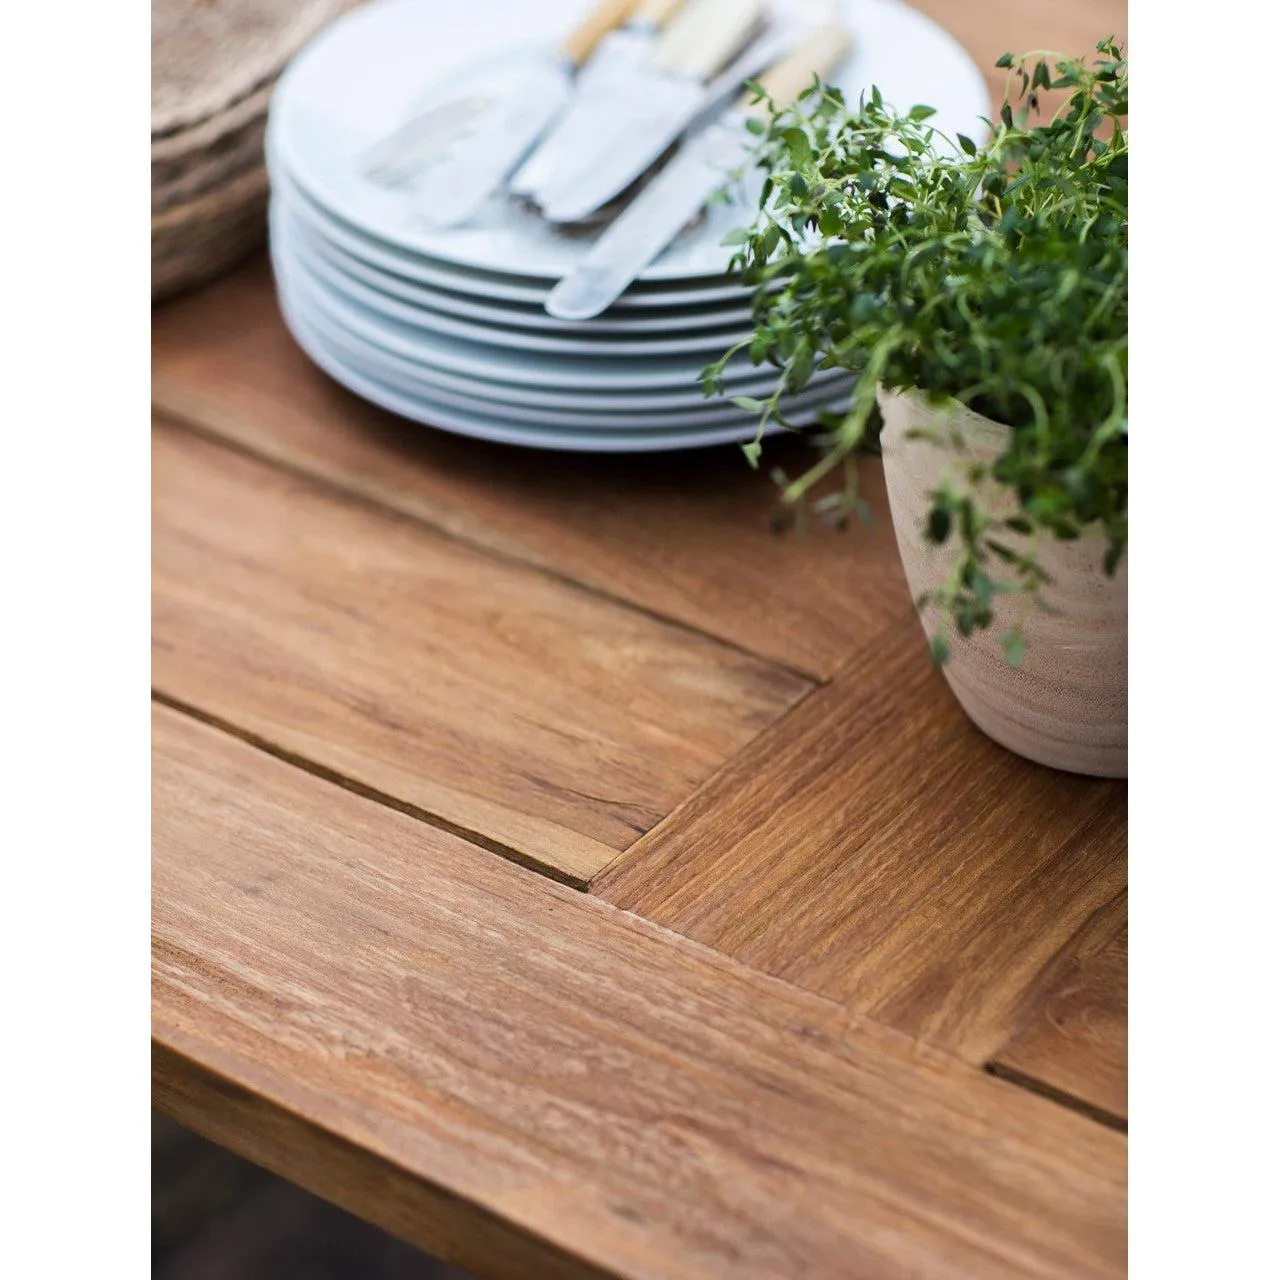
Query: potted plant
{"type": "Point", "coordinates": [980, 293]}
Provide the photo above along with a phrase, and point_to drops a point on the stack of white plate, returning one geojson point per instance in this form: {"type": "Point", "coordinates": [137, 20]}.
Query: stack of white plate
{"type": "Point", "coordinates": [447, 327]}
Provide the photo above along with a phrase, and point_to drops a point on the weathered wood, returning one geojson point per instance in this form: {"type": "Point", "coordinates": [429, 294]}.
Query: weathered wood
{"type": "Point", "coordinates": [526, 1081]}
{"type": "Point", "coordinates": [1073, 1035]}
{"type": "Point", "coordinates": [875, 847]}
{"type": "Point", "coordinates": [688, 535]}
{"type": "Point", "coordinates": [529, 1081]}
{"type": "Point", "coordinates": [542, 717]}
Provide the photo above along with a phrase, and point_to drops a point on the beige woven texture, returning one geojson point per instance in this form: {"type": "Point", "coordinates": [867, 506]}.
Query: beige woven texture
{"type": "Point", "coordinates": [214, 64]}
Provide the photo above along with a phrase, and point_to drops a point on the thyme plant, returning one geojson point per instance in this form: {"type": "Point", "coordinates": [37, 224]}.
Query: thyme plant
{"type": "Point", "coordinates": [995, 275]}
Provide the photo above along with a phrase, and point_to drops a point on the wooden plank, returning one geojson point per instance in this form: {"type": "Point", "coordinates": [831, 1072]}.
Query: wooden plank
{"type": "Point", "coordinates": [688, 536]}
{"type": "Point", "coordinates": [877, 848]}
{"type": "Point", "coordinates": [1073, 1037]}
{"type": "Point", "coordinates": [538, 715]}
{"type": "Point", "coordinates": [525, 1081]}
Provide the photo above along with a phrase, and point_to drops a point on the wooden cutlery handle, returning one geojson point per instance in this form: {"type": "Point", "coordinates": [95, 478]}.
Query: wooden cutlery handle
{"type": "Point", "coordinates": [819, 55]}
{"type": "Point", "coordinates": [705, 34]}
{"type": "Point", "coordinates": [655, 12]}
{"type": "Point", "coordinates": [580, 43]}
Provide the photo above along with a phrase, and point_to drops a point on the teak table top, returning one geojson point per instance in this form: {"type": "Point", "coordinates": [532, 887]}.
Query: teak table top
{"type": "Point", "coordinates": [560, 869]}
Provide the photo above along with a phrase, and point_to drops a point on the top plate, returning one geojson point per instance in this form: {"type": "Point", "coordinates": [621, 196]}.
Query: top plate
{"type": "Point", "coordinates": [364, 76]}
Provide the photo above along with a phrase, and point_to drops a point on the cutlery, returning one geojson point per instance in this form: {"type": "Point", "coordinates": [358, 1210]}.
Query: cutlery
{"type": "Point", "coordinates": [699, 168]}
{"type": "Point", "coordinates": [622, 177]}
{"type": "Point", "coordinates": [618, 55]}
{"type": "Point", "coordinates": [397, 158]}
{"type": "Point", "coordinates": [454, 189]}
{"type": "Point", "coordinates": [646, 112]}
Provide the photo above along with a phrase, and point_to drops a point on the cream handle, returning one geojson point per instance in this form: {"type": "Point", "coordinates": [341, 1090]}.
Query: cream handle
{"type": "Point", "coordinates": [705, 34]}
{"type": "Point", "coordinates": [654, 13]}
{"type": "Point", "coordinates": [788, 78]}
{"type": "Point", "coordinates": [580, 43]}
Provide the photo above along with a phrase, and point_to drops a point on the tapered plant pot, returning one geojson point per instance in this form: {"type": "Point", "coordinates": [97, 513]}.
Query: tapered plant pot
{"type": "Point", "coordinates": [1066, 705]}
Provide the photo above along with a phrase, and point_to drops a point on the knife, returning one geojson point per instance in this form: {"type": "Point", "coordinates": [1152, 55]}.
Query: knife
{"type": "Point", "coordinates": [619, 169]}
{"type": "Point", "coordinates": [453, 190]}
{"type": "Point", "coordinates": [698, 169]}
{"type": "Point", "coordinates": [621, 54]}
{"type": "Point", "coordinates": [396, 159]}
{"type": "Point", "coordinates": [643, 116]}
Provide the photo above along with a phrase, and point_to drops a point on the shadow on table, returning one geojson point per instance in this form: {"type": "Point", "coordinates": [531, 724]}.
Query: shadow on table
{"type": "Point", "coordinates": [217, 1217]}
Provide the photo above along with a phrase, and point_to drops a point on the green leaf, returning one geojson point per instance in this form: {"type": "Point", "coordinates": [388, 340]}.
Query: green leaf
{"type": "Point", "coordinates": [966, 144]}
{"type": "Point", "coordinates": [739, 235]}
{"type": "Point", "coordinates": [939, 649]}
{"type": "Point", "coordinates": [939, 526]}
{"type": "Point", "coordinates": [756, 125]}
{"type": "Point", "coordinates": [801, 367]}
{"type": "Point", "coordinates": [749, 403]}
{"type": "Point", "coordinates": [797, 142]}
{"type": "Point", "coordinates": [983, 589]}
{"type": "Point", "coordinates": [752, 449]}
{"type": "Point", "coordinates": [1015, 647]}
{"type": "Point", "coordinates": [1005, 60]}
{"type": "Point", "coordinates": [921, 112]}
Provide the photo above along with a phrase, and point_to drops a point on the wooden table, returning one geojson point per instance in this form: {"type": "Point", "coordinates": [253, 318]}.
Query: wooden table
{"type": "Point", "coordinates": [558, 868]}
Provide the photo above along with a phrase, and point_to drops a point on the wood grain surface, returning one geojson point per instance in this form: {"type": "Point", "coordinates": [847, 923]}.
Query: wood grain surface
{"type": "Point", "coordinates": [417, 652]}
{"type": "Point", "coordinates": [689, 535]}
{"type": "Point", "coordinates": [875, 847]}
{"type": "Point", "coordinates": [525, 1081]}
{"type": "Point", "coordinates": [542, 717]}
{"type": "Point", "coordinates": [1072, 1039]}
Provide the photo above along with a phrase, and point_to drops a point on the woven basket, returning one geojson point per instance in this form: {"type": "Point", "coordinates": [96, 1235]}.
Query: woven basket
{"type": "Point", "coordinates": [186, 165]}
{"type": "Point", "coordinates": [214, 64]}
{"type": "Point", "coordinates": [194, 241]}
{"type": "Point", "coordinates": [208, 54]}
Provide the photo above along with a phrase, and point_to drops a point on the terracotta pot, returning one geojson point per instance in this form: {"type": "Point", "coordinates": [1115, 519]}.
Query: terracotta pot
{"type": "Point", "coordinates": [1067, 704]}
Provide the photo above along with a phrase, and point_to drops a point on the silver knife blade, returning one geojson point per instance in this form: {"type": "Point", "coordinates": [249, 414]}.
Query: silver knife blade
{"type": "Point", "coordinates": [631, 136]}
{"type": "Point", "coordinates": [453, 190]}
{"type": "Point", "coordinates": [617, 58]}
{"type": "Point", "coordinates": [638, 121]}
{"type": "Point", "coordinates": [423, 139]}
{"type": "Point", "coordinates": [651, 221]}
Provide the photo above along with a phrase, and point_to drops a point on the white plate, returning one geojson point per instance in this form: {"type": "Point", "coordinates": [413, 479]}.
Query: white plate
{"type": "Point", "coordinates": [588, 413]}
{"type": "Point", "coordinates": [397, 366]}
{"type": "Point", "coordinates": [362, 77]}
{"type": "Point", "coordinates": [394, 366]}
{"type": "Point", "coordinates": [419, 362]}
{"type": "Point", "coordinates": [518, 369]}
{"type": "Point", "coordinates": [706, 346]}
{"type": "Point", "coordinates": [421, 408]}
{"type": "Point", "coordinates": [650, 299]}
{"type": "Point", "coordinates": [376, 365]}
{"type": "Point", "coordinates": [315, 245]}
